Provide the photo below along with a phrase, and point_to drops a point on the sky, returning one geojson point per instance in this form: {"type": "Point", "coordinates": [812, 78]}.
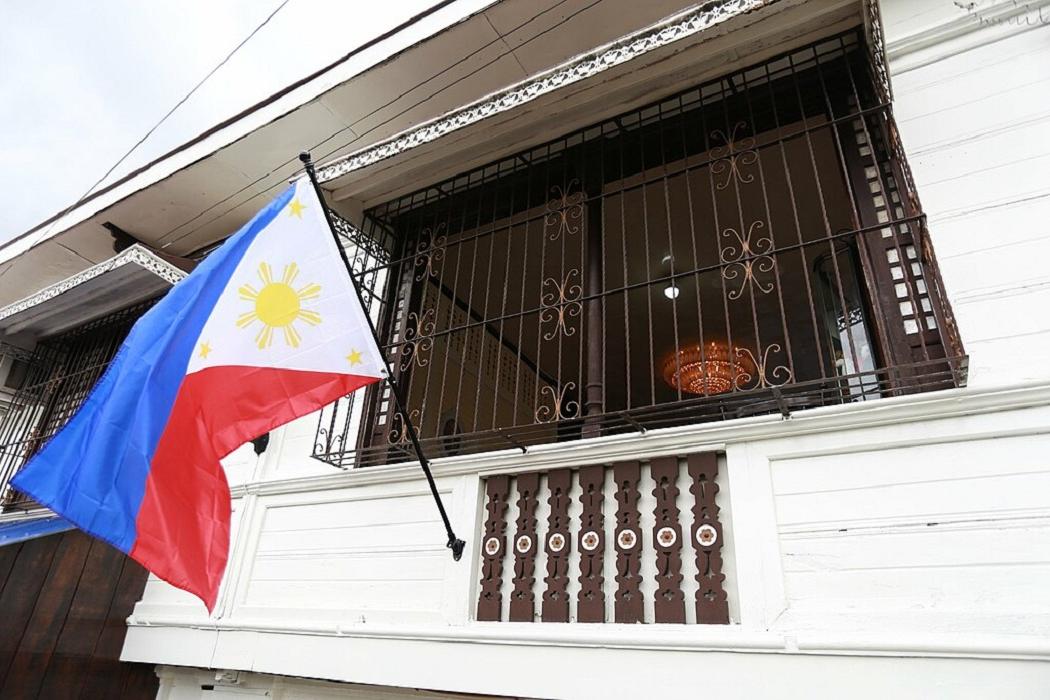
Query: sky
{"type": "Point", "coordinates": [81, 82]}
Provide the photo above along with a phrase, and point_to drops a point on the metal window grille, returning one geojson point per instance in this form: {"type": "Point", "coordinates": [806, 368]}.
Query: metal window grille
{"type": "Point", "coordinates": [751, 245]}
{"type": "Point", "coordinates": [57, 376]}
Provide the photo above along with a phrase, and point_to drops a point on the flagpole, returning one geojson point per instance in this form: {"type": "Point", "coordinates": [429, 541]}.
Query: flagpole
{"type": "Point", "coordinates": [454, 543]}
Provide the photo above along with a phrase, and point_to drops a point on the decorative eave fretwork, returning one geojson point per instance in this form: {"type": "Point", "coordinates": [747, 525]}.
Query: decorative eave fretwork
{"type": "Point", "coordinates": [130, 276]}
{"type": "Point", "coordinates": [581, 67]}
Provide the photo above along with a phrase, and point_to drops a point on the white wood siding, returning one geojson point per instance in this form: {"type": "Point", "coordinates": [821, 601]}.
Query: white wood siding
{"type": "Point", "coordinates": [974, 115]}
{"type": "Point", "coordinates": [953, 537]}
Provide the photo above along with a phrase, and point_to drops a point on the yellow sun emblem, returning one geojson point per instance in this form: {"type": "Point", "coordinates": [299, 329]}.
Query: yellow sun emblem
{"type": "Point", "coordinates": [278, 305]}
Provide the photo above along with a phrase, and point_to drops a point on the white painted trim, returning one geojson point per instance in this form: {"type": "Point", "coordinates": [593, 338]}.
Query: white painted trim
{"type": "Point", "coordinates": [699, 437]}
{"type": "Point", "coordinates": [731, 638]}
{"type": "Point", "coordinates": [962, 33]}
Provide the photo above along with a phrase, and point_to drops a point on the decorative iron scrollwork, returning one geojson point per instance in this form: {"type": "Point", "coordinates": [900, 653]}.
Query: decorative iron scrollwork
{"type": "Point", "coordinates": [565, 211]}
{"type": "Point", "coordinates": [328, 442]}
{"type": "Point", "coordinates": [419, 339]}
{"type": "Point", "coordinates": [398, 434]}
{"type": "Point", "coordinates": [561, 408]}
{"type": "Point", "coordinates": [561, 303]}
{"type": "Point", "coordinates": [732, 155]}
{"type": "Point", "coordinates": [765, 375]}
{"type": "Point", "coordinates": [746, 259]}
{"type": "Point", "coordinates": [430, 251]}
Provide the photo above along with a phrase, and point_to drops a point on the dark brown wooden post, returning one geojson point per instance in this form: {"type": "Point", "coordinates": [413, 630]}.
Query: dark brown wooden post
{"type": "Point", "coordinates": [628, 543]}
{"type": "Point", "coordinates": [522, 599]}
{"type": "Point", "coordinates": [712, 606]}
{"type": "Point", "coordinates": [669, 605]}
{"type": "Point", "coordinates": [493, 545]}
{"type": "Point", "coordinates": [555, 607]}
{"type": "Point", "coordinates": [590, 602]}
{"type": "Point", "coordinates": [594, 393]}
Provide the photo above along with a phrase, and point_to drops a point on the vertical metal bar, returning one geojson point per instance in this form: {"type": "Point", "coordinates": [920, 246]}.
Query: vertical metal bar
{"type": "Point", "coordinates": [829, 234]}
{"type": "Point", "coordinates": [464, 331]}
{"type": "Point", "coordinates": [543, 281]}
{"type": "Point", "coordinates": [500, 347]}
{"type": "Point", "coordinates": [522, 318]}
{"type": "Point", "coordinates": [781, 139]}
{"type": "Point", "coordinates": [621, 137]}
{"type": "Point", "coordinates": [772, 230]}
{"type": "Point", "coordinates": [853, 199]}
{"type": "Point", "coordinates": [595, 327]}
{"type": "Point", "coordinates": [431, 365]}
{"type": "Point", "coordinates": [421, 315]}
{"type": "Point", "coordinates": [746, 257]}
{"type": "Point", "coordinates": [687, 176]}
{"type": "Point", "coordinates": [648, 260]}
{"type": "Point", "coordinates": [484, 332]}
{"type": "Point", "coordinates": [670, 244]}
{"type": "Point", "coordinates": [730, 347]}
{"type": "Point", "coordinates": [474, 243]}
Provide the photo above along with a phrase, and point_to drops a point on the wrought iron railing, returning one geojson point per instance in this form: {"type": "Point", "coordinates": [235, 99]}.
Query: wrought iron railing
{"type": "Point", "coordinates": [754, 244]}
{"type": "Point", "coordinates": [59, 375]}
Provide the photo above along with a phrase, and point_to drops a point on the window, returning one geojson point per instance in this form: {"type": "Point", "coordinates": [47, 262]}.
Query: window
{"type": "Point", "coordinates": [748, 246]}
{"type": "Point", "coordinates": [753, 244]}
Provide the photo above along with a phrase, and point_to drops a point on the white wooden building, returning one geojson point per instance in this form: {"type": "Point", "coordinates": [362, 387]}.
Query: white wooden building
{"type": "Point", "coordinates": [725, 275]}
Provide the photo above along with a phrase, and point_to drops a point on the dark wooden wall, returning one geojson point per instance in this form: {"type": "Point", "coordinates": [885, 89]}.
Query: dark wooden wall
{"type": "Point", "coordinates": [63, 604]}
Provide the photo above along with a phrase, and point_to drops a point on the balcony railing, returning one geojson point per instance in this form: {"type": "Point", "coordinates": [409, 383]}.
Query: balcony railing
{"type": "Point", "coordinates": [59, 374]}
{"type": "Point", "coordinates": [631, 542]}
{"type": "Point", "coordinates": [752, 245]}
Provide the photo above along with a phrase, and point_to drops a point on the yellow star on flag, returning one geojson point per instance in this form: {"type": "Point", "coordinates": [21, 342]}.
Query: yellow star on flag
{"type": "Point", "coordinates": [205, 349]}
{"type": "Point", "coordinates": [296, 208]}
{"type": "Point", "coordinates": [354, 357]}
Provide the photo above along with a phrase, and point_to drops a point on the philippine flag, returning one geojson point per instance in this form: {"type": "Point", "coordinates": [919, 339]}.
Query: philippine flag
{"type": "Point", "coordinates": [267, 329]}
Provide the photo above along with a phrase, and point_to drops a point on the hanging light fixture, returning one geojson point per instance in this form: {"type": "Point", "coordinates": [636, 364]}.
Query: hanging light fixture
{"type": "Point", "coordinates": [705, 371]}
{"type": "Point", "coordinates": [671, 291]}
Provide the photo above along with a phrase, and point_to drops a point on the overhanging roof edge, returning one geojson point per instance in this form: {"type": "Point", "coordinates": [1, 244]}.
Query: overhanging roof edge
{"type": "Point", "coordinates": [136, 254]}
{"type": "Point", "coordinates": [667, 31]}
{"type": "Point", "coordinates": [315, 86]}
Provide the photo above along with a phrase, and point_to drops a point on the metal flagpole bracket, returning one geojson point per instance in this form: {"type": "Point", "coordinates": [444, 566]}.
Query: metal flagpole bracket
{"type": "Point", "coordinates": [454, 543]}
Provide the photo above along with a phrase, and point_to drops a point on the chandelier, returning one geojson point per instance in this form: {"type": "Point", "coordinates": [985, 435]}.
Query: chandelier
{"type": "Point", "coordinates": [707, 370]}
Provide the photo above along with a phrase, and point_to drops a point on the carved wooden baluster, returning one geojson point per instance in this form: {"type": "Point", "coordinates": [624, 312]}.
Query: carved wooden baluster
{"type": "Point", "coordinates": [493, 544]}
{"type": "Point", "coordinates": [667, 541]}
{"type": "Point", "coordinates": [555, 600]}
{"type": "Point", "coordinates": [590, 605]}
{"type": "Point", "coordinates": [628, 543]}
{"type": "Point", "coordinates": [712, 606]}
{"type": "Point", "coordinates": [522, 599]}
